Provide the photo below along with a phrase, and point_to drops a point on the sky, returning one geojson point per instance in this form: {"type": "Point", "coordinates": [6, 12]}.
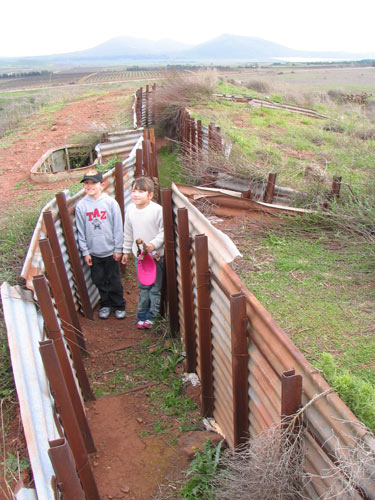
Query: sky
{"type": "Point", "coordinates": [42, 27]}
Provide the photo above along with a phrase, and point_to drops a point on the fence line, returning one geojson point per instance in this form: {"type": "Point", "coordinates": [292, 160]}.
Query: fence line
{"type": "Point", "coordinates": [330, 426]}
{"type": "Point", "coordinates": [241, 355]}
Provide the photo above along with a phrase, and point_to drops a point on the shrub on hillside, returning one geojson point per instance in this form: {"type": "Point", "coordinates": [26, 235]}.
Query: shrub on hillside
{"type": "Point", "coordinates": [179, 91]}
{"type": "Point", "coordinates": [259, 86]}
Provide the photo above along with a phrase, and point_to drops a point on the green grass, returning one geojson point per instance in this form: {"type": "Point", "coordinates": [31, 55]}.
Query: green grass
{"type": "Point", "coordinates": [287, 143]}
{"type": "Point", "coordinates": [201, 472]}
{"type": "Point", "coordinates": [169, 168]}
{"type": "Point", "coordinates": [154, 361]}
{"type": "Point", "coordinates": [318, 286]}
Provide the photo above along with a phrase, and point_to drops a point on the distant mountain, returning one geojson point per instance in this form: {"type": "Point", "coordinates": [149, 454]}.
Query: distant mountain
{"type": "Point", "coordinates": [243, 48]}
{"type": "Point", "coordinates": [129, 46]}
{"type": "Point", "coordinates": [223, 49]}
{"type": "Point", "coordinates": [239, 47]}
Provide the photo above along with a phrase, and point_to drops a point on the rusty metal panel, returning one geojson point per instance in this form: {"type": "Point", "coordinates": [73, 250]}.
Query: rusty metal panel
{"type": "Point", "coordinates": [271, 353]}
{"type": "Point", "coordinates": [25, 330]}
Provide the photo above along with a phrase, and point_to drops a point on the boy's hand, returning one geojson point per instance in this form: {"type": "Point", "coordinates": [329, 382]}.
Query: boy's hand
{"type": "Point", "coordinates": [124, 258]}
{"type": "Point", "coordinates": [117, 256]}
{"type": "Point", "coordinates": [149, 247]}
{"type": "Point", "coordinates": [88, 260]}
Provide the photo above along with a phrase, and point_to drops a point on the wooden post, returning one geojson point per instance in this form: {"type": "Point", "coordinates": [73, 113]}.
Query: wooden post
{"type": "Point", "coordinates": [74, 255]}
{"type": "Point", "coordinates": [240, 369]}
{"type": "Point", "coordinates": [170, 259]}
{"type": "Point", "coordinates": [204, 323]}
{"type": "Point", "coordinates": [190, 340]}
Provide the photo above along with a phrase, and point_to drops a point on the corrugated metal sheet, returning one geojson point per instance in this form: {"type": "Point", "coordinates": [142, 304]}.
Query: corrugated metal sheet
{"type": "Point", "coordinates": [25, 494]}
{"type": "Point", "coordinates": [271, 353]}
{"type": "Point", "coordinates": [33, 264]}
{"type": "Point", "coordinates": [25, 331]}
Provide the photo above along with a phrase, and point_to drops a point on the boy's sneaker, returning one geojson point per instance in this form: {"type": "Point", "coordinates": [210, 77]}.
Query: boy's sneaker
{"type": "Point", "coordinates": [140, 324]}
{"type": "Point", "coordinates": [148, 323]}
{"type": "Point", "coordinates": [120, 314]}
{"type": "Point", "coordinates": [104, 312]}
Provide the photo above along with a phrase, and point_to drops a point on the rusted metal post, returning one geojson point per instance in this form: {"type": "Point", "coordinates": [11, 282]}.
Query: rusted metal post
{"type": "Point", "coordinates": [211, 128]}
{"type": "Point", "coordinates": [54, 333]}
{"type": "Point", "coordinates": [146, 157]}
{"type": "Point", "coordinates": [59, 261]}
{"type": "Point", "coordinates": [193, 134]}
{"type": "Point", "coordinates": [72, 336]}
{"type": "Point", "coordinates": [336, 186]}
{"type": "Point", "coordinates": [247, 194]}
{"type": "Point", "coordinates": [199, 135]}
{"type": "Point", "coordinates": [190, 340]}
{"type": "Point", "coordinates": [74, 255]}
{"type": "Point", "coordinates": [204, 323]}
{"type": "Point", "coordinates": [139, 107]}
{"type": "Point", "coordinates": [68, 418]}
{"type": "Point", "coordinates": [65, 469]}
{"type": "Point", "coordinates": [291, 402]}
{"type": "Point", "coordinates": [119, 187]}
{"type": "Point", "coordinates": [170, 259]}
{"type": "Point", "coordinates": [240, 368]}
{"type": "Point", "coordinates": [270, 188]}
{"type": "Point", "coordinates": [147, 106]}
{"type": "Point", "coordinates": [218, 141]}
{"type": "Point", "coordinates": [153, 103]}
{"type": "Point", "coordinates": [138, 162]}
{"type": "Point", "coordinates": [291, 393]}
{"type": "Point", "coordinates": [73, 346]}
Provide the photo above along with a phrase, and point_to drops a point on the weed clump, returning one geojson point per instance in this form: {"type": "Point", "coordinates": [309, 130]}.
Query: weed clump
{"type": "Point", "coordinates": [260, 86]}
{"type": "Point", "coordinates": [358, 394]}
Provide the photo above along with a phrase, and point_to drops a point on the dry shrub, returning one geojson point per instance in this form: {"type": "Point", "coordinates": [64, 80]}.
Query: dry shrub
{"type": "Point", "coordinates": [179, 91]}
{"type": "Point", "coordinates": [271, 465]}
{"type": "Point", "coordinates": [205, 167]}
{"type": "Point", "coordinates": [365, 133]}
{"type": "Point", "coordinates": [336, 95]}
{"type": "Point", "coordinates": [260, 86]}
{"type": "Point", "coordinates": [334, 127]}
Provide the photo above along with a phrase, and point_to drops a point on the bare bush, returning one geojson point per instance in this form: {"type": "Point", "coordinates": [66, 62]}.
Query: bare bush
{"type": "Point", "coordinates": [204, 167]}
{"type": "Point", "coordinates": [179, 91]}
{"type": "Point", "coordinates": [269, 466]}
{"type": "Point", "coordinates": [365, 133]}
{"type": "Point", "coordinates": [260, 86]}
{"type": "Point", "coordinates": [336, 95]}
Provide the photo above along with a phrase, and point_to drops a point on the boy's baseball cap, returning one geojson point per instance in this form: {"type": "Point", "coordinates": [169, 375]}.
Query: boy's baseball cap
{"type": "Point", "coordinates": [93, 175]}
{"type": "Point", "coordinates": [146, 269]}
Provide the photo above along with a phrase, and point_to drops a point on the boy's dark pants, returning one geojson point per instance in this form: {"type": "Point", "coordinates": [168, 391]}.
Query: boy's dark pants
{"type": "Point", "coordinates": [105, 274]}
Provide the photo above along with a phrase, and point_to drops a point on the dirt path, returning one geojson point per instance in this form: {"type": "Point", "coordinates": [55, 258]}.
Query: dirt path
{"type": "Point", "coordinates": [132, 461]}
{"type": "Point", "coordinates": [46, 131]}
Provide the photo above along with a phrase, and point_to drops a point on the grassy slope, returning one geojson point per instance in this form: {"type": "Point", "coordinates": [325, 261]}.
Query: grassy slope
{"type": "Point", "coordinates": [318, 283]}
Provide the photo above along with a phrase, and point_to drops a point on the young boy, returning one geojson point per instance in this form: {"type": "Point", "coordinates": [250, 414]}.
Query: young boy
{"type": "Point", "coordinates": [100, 235]}
{"type": "Point", "coordinates": [144, 220]}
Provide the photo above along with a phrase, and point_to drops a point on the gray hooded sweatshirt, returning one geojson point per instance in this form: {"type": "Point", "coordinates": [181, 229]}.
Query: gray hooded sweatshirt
{"type": "Point", "coordinates": [99, 226]}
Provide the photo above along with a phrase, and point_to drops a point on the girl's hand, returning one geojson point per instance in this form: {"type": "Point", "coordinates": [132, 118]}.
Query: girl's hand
{"type": "Point", "coordinates": [149, 247]}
